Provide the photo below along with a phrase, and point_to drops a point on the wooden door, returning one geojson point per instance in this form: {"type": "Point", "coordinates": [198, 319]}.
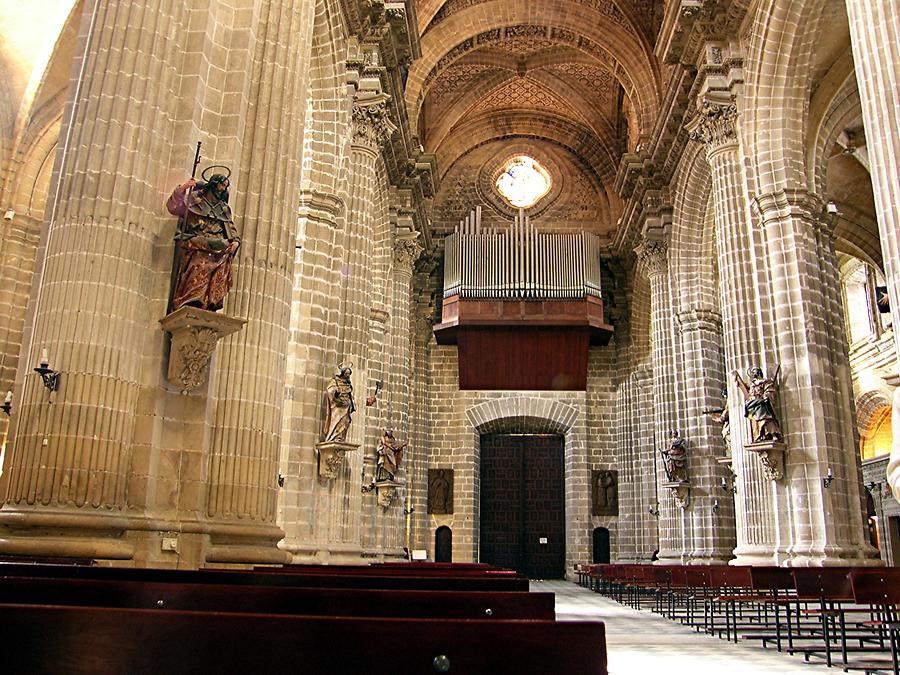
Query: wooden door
{"type": "Point", "coordinates": [522, 505]}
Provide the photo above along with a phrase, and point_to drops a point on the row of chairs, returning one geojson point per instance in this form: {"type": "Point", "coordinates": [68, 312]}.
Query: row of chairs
{"type": "Point", "coordinates": [846, 616]}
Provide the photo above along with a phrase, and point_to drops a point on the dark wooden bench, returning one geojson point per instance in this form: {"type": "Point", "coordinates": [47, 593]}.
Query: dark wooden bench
{"type": "Point", "coordinates": [276, 578]}
{"type": "Point", "coordinates": [879, 588]}
{"type": "Point", "coordinates": [96, 641]}
{"type": "Point", "coordinates": [277, 600]}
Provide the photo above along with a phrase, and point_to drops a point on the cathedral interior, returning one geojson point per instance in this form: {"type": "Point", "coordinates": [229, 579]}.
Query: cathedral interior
{"type": "Point", "coordinates": [526, 283]}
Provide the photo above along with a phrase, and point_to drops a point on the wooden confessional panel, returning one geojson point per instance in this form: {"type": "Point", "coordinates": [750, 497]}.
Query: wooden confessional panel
{"type": "Point", "coordinates": [522, 504]}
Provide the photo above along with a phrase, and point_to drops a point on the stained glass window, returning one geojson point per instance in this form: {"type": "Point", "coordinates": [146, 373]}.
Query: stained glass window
{"type": "Point", "coordinates": [523, 182]}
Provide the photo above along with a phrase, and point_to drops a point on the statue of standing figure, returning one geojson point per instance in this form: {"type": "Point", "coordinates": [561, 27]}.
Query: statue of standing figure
{"type": "Point", "coordinates": [339, 397]}
{"type": "Point", "coordinates": [720, 416]}
{"type": "Point", "coordinates": [390, 454]}
{"type": "Point", "coordinates": [675, 459]}
{"type": "Point", "coordinates": [759, 404]}
{"type": "Point", "coordinates": [207, 242]}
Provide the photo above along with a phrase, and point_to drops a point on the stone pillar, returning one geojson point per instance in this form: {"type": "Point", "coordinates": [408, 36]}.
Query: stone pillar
{"type": "Point", "coordinates": [744, 313]}
{"type": "Point", "coordinates": [338, 503]}
{"type": "Point", "coordinates": [875, 36]}
{"type": "Point", "coordinates": [653, 261]}
{"type": "Point", "coordinates": [406, 252]}
{"type": "Point", "coordinates": [70, 450]}
{"type": "Point", "coordinates": [700, 378]}
{"type": "Point", "coordinates": [825, 524]}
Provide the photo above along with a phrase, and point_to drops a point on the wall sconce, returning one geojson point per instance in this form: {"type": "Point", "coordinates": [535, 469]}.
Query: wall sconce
{"type": "Point", "coordinates": [726, 487]}
{"type": "Point", "coordinates": [873, 487]}
{"type": "Point", "coordinates": [49, 376]}
{"type": "Point", "coordinates": [829, 477]}
{"type": "Point", "coordinates": [7, 404]}
{"type": "Point", "coordinates": [280, 480]}
{"type": "Point", "coordinates": [715, 506]}
{"type": "Point", "coordinates": [654, 510]}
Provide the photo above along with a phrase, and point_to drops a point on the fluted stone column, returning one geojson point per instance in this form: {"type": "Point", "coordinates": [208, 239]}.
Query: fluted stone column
{"type": "Point", "coordinates": [825, 526]}
{"type": "Point", "coordinates": [745, 312]}
{"type": "Point", "coordinates": [875, 36]}
{"type": "Point", "coordinates": [653, 261]}
{"type": "Point", "coordinates": [311, 361]}
{"type": "Point", "coordinates": [700, 377]}
{"type": "Point", "coordinates": [338, 503]}
{"type": "Point", "coordinates": [69, 453]}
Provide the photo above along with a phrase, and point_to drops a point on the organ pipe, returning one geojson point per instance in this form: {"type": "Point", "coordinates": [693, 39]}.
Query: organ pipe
{"type": "Point", "coordinates": [519, 262]}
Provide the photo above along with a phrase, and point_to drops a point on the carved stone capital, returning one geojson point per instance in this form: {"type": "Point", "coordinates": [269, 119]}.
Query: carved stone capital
{"type": "Point", "coordinates": [195, 333]}
{"type": "Point", "coordinates": [331, 456]}
{"type": "Point", "coordinates": [406, 251]}
{"type": "Point", "coordinates": [714, 125]}
{"type": "Point", "coordinates": [699, 319]}
{"type": "Point", "coordinates": [653, 256]}
{"type": "Point", "coordinates": [372, 126]}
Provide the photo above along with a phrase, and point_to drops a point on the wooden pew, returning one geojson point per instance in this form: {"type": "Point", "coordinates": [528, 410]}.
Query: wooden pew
{"type": "Point", "coordinates": [96, 641]}
{"type": "Point", "coordinates": [275, 578]}
{"type": "Point", "coordinates": [278, 600]}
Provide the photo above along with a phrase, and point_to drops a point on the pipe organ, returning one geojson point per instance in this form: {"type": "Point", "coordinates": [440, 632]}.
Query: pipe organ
{"type": "Point", "coordinates": [520, 262]}
{"type": "Point", "coordinates": [522, 306]}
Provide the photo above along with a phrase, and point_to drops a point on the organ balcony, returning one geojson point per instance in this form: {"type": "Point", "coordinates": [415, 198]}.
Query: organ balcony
{"type": "Point", "coordinates": [522, 306]}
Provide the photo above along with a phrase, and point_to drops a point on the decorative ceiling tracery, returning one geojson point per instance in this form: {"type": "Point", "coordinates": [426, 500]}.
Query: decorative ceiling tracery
{"type": "Point", "coordinates": [577, 76]}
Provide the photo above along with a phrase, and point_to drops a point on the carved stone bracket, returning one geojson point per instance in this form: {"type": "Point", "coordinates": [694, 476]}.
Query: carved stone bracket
{"type": "Point", "coordinates": [331, 456]}
{"type": "Point", "coordinates": [772, 456]}
{"type": "Point", "coordinates": [195, 333]}
{"type": "Point", "coordinates": [681, 491]}
{"type": "Point", "coordinates": [387, 491]}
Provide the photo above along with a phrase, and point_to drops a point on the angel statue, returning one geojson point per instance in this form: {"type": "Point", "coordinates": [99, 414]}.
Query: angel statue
{"type": "Point", "coordinates": [759, 404]}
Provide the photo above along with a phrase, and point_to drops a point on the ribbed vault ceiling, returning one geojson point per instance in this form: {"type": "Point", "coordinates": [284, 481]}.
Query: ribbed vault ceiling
{"type": "Point", "coordinates": [574, 80]}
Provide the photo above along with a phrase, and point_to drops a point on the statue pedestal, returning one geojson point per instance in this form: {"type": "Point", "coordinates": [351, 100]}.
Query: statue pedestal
{"type": "Point", "coordinates": [386, 489]}
{"type": "Point", "coordinates": [331, 455]}
{"type": "Point", "coordinates": [195, 333]}
{"type": "Point", "coordinates": [681, 491]}
{"type": "Point", "coordinates": [771, 454]}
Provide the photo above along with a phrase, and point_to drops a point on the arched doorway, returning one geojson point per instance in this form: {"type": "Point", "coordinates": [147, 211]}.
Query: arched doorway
{"type": "Point", "coordinates": [601, 546]}
{"type": "Point", "coordinates": [522, 503]}
{"type": "Point", "coordinates": [443, 544]}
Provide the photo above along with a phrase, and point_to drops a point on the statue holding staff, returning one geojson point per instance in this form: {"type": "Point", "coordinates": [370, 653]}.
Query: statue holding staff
{"type": "Point", "coordinates": [206, 240]}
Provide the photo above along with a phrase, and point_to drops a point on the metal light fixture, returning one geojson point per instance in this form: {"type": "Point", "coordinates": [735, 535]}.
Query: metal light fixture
{"type": "Point", "coordinates": [829, 478]}
{"type": "Point", "coordinates": [728, 487]}
{"type": "Point", "coordinates": [654, 510]}
{"type": "Point", "coordinates": [7, 404]}
{"type": "Point", "coordinates": [49, 376]}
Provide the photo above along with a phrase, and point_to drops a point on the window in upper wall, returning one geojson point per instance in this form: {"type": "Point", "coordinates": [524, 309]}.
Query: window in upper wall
{"type": "Point", "coordinates": [865, 318]}
{"type": "Point", "coordinates": [523, 182]}
{"type": "Point", "coordinates": [877, 440]}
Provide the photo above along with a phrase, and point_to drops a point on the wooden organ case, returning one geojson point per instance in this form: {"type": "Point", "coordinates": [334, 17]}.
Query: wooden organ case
{"type": "Point", "coordinates": [522, 306]}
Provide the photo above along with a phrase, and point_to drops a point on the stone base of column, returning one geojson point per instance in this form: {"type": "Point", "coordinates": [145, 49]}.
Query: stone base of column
{"type": "Point", "coordinates": [138, 542]}
{"type": "Point", "coordinates": [335, 554]}
{"type": "Point", "coordinates": [754, 555]}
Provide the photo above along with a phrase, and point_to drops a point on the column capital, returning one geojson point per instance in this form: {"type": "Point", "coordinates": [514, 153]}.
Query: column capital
{"type": "Point", "coordinates": [699, 319]}
{"type": "Point", "coordinates": [653, 256]}
{"type": "Point", "coordinates": [372, 125]}
{"type": "Point", "coordinates": [714, 124]}
{"type": "Point", "coordinates": [406, 251]}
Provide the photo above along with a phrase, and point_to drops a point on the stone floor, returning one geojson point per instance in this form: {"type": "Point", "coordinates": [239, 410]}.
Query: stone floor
{"type": "Point", "coordinates": [643, 642]}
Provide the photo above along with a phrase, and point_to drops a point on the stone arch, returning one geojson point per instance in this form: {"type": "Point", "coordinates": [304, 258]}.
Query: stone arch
{"type": "Point", "coordinates": [869, 407]}
{"type": "Point", "coordinates": [632, 62]}
{"type": "Point", "coordinates": [542, 415]}
{"type": "Point", "coordinates": [692, 246]}
{"type": "Point", "coordinates": [778, 67]}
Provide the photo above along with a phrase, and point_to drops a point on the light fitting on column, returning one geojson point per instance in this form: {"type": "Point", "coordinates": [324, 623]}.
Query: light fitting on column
{"type": "Point", "coordinates": [728, 487]}
{"type": "Point", "coordinates": [829, 478]}
{"type": "Point", "coordinates": [7, 404]}
{"type": "Point", "coordinates": [49, 376]}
